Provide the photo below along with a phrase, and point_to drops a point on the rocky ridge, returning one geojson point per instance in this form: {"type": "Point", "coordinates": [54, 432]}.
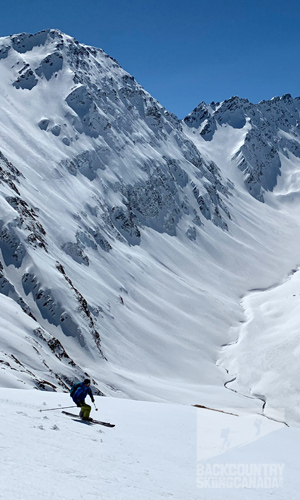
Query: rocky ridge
{"type": "Point", "coordinates": [273, 129]}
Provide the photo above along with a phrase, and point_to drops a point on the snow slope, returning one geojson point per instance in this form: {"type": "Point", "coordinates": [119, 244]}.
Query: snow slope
{"type": "Point", "coordinates": [268, 340]}
{"type": "Point", "coordinates": [156, 451]}
{"type": "Point", "coordinates": [101, 168]}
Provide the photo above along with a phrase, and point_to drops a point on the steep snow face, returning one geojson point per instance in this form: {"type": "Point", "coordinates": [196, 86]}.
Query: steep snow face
{"type": "Point", "coordinates": [99, 161]}
{"type": "Point", "coordinates": [273, 129]}
{"type": "Point", "coordinates": [127, 238]}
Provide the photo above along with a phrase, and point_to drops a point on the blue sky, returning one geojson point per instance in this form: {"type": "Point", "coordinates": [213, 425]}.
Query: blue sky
{"type": "Point", "coordinates": [182, 52]}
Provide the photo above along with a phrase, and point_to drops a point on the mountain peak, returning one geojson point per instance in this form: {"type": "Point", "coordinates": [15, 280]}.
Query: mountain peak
{"type": "Point", "coordinates": [25, 42]}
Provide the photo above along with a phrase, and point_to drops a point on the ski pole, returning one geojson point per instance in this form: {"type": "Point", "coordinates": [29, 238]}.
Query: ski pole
{"type": "Point", "coordinates": [95, 406]}
{"type": "Point", "coordinates": [60, 408]}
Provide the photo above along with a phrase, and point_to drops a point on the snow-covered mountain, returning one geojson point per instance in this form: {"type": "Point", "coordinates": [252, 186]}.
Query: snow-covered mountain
{"type": "Point", "coordinates": [273, 129]}
{"type": "Point", "coordinates": [128, 238]}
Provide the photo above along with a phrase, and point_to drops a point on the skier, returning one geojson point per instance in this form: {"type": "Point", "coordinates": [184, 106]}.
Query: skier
{"type": "Point", "coordinates": [81, 391]}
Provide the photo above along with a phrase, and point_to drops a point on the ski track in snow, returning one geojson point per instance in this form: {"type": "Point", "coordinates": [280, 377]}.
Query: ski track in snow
{"type": "Point", "coordinates": [260, 340]}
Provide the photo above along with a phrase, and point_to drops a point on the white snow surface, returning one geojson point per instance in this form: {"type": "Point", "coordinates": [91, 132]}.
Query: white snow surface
{"type": "Point", "coordinates": [155, 451]}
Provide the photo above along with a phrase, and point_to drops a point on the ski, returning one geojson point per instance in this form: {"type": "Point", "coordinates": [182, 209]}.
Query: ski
{"type": "Point", "coordinates": [86, 422]}
{"type": "Point", "coordinates": [106, 424]}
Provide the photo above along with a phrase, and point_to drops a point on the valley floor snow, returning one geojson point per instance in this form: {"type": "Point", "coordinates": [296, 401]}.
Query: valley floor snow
{"type": "Point", "coordinates": [265, 357]}
{"type": "Point", "coordinates": [156, 451]}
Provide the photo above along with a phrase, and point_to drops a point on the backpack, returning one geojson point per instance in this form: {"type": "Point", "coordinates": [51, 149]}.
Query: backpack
{"type": "Point", "coordinates": [74, 389]}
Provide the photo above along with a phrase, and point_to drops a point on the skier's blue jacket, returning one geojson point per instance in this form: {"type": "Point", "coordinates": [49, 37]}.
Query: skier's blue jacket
{"type": "Point", "coordinates": [81, 393]}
